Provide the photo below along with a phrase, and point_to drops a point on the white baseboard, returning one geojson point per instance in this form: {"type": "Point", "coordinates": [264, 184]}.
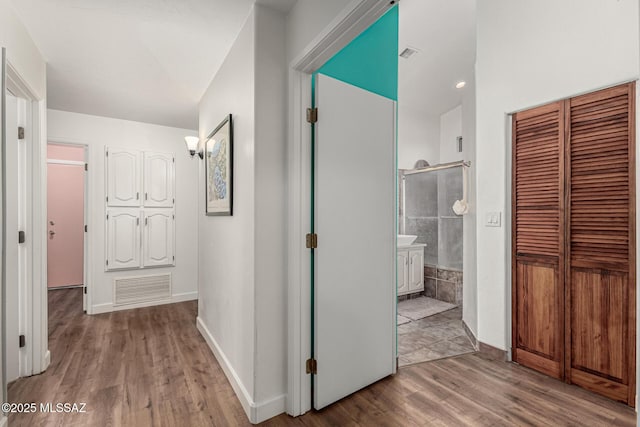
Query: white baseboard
{"type": "Point", "coordinates": [109, 307]}
{"type": "Point", "coordinates": [269, 408]}
{"type": "Point", "coordinates": [47, 361]}
{"type": "Point", "coordinates": [256, 412]}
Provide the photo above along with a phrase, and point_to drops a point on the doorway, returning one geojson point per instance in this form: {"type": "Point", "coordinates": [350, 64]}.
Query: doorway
{"type": "Point", "coordinates": [24, 318]}
{"type": "Point", "coordinates": [358, 73]}
{"type": "Point", "coordinates": [66, 222]}
{"type": "Point", "coordinates": [430, 263]}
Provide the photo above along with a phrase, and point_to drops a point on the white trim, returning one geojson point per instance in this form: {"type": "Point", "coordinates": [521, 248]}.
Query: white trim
{"type": "Point", "coordinates": [110, 307]}
{"type": "Point", "coordinates": [299, 266]}
{"type": "Point", "coordinates": [33, 308]}
{"type": "Point", "coordinates": [507, 227]}
{"type": "Point", "coordinates": [3, 421]}
{"type": "Point", "coordinates": [39, 307]}
{"type": "Point", "coordinates": [353, 20]}
{"type": "Point", "coordinates": [356, 17]}
{"type": "Point", "coordinates": [65, 162]}
{"type": "Point", "coordinates": [19, 86]}
{"type": "Point", "coordinates": [262, 411]}
{"type": "Point", "coordinates": [25, 223]}
{"type": "Point", "coordinates": [256, 412]}
{"type": "Point", "coordinates": [47, 360]}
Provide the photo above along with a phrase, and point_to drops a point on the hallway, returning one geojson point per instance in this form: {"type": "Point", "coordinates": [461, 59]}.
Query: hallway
{"type": "Point", "coordinates": [150, 366]}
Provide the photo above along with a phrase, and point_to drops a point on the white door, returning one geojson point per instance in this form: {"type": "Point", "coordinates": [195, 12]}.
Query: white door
{"type": "Point", "coordinates": [416, 270]}
{"type": "Point", "coordinates": [123, 239]}
{"type": "Point", "coordinates": [123, 177]}
{"type": "Point", "coordinates": [158, 238]}
{"type": "Point", "coordinates": [158, 179]}
{"type": "Point", "coordinates": [355, 222]}
{"type": "Point", "coordinates": [403, 272]}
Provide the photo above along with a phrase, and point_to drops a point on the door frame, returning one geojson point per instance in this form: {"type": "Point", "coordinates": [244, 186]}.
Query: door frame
{"type": "Point", "coordinates": [86, 241]}
{"type": "Point", "coordinates": [509, 213]}
{"type": "Point", "coordinates": [355, 18]}
{"type": "Point", "coordinates": [86, 300]}
{"type": "Point", "coordinates": [33, 309]}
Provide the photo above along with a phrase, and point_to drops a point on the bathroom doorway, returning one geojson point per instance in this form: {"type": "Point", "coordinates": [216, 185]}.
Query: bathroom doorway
{"type": "Point", "coordinates": [437, 306]}
{"type": "Point", "coordinates": [433, 201]}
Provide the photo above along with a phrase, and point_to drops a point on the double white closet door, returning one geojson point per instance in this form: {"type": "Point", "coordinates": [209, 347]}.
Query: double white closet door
{"type": "Point", "coordinates": [140, 209]}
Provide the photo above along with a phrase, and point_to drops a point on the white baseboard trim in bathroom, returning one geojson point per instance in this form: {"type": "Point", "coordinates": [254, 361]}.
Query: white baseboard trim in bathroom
{"type": "Point", "coordinates": [109, 307]}
{"type": "Point", "coordinates": [256, 413]}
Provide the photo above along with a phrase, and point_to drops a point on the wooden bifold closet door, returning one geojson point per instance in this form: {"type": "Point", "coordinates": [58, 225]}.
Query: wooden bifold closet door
{"type": "Point", "coordinates": [573, 258]}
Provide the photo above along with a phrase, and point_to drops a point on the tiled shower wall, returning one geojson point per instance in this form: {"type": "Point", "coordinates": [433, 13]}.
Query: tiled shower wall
{"type": "Point", "coordinates": [443, 284]}
{"type": "Point", "coordinates": [429, 215]}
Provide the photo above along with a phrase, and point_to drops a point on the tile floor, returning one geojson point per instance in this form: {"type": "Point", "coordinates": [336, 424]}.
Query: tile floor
{"type": "Point", "coordinates": [434, 337]}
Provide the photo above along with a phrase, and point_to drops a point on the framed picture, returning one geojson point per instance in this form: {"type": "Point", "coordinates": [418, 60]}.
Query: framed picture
{"type": "Point", "coordinates": [218, 163]}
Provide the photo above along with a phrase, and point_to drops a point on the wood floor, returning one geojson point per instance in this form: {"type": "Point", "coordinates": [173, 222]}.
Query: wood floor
{"type": "Point", "coordinates": [150, 367]}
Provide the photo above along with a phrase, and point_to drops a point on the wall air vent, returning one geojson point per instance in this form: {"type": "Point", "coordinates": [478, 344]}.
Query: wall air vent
{"type": "Point", "coordinates": [133, 290]}
{"type": "Point", "coordinates": [407, 52]}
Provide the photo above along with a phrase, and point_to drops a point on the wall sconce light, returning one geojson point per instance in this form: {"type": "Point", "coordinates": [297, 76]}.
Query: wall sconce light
{"type": "Point", "coordinates": [192, 145]}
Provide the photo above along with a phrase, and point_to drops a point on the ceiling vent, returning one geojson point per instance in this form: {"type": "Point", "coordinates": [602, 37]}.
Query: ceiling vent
{"type": "Point", "coordinates": [407, 52]}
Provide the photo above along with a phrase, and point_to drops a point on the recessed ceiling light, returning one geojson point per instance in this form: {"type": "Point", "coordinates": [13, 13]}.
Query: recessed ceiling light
{"type": "Point", "coordinates": [460, 85]}
{"type": "Point", "coordinates": [407, 52]}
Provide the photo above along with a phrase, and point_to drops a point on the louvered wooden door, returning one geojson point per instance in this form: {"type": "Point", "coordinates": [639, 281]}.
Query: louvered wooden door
{"type": "Point", "coordinates": [600, 277]}
{"type": "Point", "coordinates": [574, 241]}
{"type": "Point", "coordinates": [538, 160]}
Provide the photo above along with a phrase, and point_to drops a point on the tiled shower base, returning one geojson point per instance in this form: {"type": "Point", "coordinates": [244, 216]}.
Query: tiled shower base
{"type": "Point", "coordinates": [434, 337]}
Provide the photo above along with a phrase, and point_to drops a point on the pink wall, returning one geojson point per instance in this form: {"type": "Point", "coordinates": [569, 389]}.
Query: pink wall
{"type": "Point", "coordinates": [65, 208]}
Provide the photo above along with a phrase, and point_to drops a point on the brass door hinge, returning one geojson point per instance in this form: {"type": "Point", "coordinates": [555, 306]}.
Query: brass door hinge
{"type": "Point", "coordinates": [312, 366]}
{"type": "Point", "coordinates": [312, 241]}
{"type": "Point", "coordinates": [312, 115]}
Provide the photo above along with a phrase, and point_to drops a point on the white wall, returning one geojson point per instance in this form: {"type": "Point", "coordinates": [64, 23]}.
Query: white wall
{"type": "Point", "coordinates": [469, 261]}
{"type": "Point", "coordinates": [450, 130]}
{"type": "Point", "coordinates": [530, 53]}
{"type": "Point", "coordinates": [98, 132]}
{"type": "Point", "coordinates": [241, 310]}
{"type": "Point", "coordinates": [226, 244]}
{"type": "Point", "coordinates": [22, 52]}
{"type": "Point", "coordinates": [270, 204]}
{"type": "Point", "coordinates": [306, 20]}
{"type": "Point", "coordinates": [418, 137]}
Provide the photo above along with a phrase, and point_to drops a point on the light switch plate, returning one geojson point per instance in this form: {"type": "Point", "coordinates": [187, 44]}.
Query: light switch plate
{"type": "Point", "coordinates": [493, 219]}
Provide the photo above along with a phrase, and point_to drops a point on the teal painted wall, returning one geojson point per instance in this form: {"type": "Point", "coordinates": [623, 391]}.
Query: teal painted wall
{"type": "Point", "coordinates": [370, 61]}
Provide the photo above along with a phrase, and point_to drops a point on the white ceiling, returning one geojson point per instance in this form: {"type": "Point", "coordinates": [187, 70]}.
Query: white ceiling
{"type": "Point", "coordinates": [443, 31]}
{"type": "Point", "coordinates": [142, 60]}
{"type": "Point", "coordinates": [151, 60]}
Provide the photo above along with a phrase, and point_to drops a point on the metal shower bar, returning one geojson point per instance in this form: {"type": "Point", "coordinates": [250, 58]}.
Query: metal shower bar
{"type": "Point", "coordinates": [437, 167]}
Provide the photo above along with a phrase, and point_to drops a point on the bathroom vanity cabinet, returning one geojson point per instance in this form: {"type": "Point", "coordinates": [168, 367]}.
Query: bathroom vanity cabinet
{"type": "Point", "coordinates": [410, 269]}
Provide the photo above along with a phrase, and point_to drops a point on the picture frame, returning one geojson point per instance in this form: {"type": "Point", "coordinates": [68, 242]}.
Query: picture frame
{"type": "Point", "coordinates": [218, 161]}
